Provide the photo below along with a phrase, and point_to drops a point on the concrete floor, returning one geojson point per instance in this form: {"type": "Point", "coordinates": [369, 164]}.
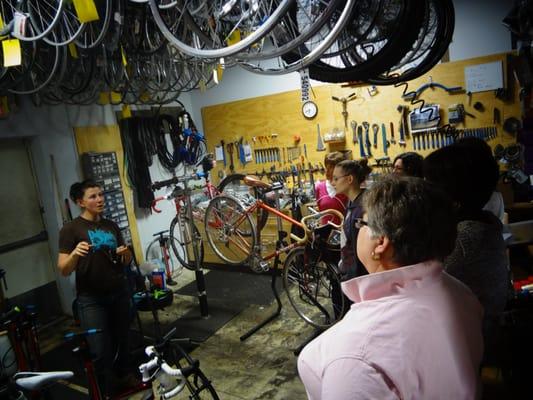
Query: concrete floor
{"type": "Point", "coordinates": [262, 367]}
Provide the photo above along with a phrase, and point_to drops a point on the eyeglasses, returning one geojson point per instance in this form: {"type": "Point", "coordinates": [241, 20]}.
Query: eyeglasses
{"type": "Point", "coordinates": [360, 222]}
{"type": "Point", "coordinates": [336, 178]}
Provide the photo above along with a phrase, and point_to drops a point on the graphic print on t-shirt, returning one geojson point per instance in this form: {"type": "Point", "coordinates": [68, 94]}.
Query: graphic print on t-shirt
{"type": "Point", "coordinates": [101, 240]}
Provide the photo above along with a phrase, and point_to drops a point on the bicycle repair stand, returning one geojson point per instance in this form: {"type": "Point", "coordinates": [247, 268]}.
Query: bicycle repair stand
{"type": "Point", "coordinates": [274, 274]}
{"type": "Point", "coordinates": [198, 272]}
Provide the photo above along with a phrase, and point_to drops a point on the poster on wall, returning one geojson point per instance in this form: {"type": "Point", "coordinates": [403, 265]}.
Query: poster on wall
{"type": "Point", "coordinates": [483, 77]}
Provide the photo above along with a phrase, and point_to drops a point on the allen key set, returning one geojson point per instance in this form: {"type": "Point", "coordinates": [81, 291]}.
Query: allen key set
{"type": "Point", "coordinates": [267, 155]}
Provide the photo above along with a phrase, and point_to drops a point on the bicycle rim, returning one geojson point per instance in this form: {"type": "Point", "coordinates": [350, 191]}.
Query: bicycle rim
{"type": "Point", "coordinates": [234, 185]}
{"type": "Point", "coordinates": [185, 243]}
{"type": "Point", "coordinates": [202, 42]}
{"type": "Point", "coordinates": [198, 386]}
{"type": "Point", "coordinates": [225, 222]}
{"type": "Point", "coordinates": [308, 288]}
{"type": "Point", "coordinates": [155, 255]}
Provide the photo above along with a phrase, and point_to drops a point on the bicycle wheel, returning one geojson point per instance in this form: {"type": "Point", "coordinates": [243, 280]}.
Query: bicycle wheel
{"type": "Point", "coordinates": [154, 254]}
{"type": "Point", "coordinates": [308, 288]}
{"type": "Point", "coordinates": [198, 386]}
{"type": "Point", "coordinates": [234, 186]}
{"type": "Point", "coordinates": [203, 29]}
{"type": "Point", "coordinates": [183, 247]}
{"type": "Point", "coordinates": [230, 231]}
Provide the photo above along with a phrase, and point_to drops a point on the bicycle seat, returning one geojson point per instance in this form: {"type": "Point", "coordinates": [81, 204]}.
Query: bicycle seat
{"type": "Point", "coordinates": [160, 233]}
{"type": "Point", "coordinates": [35, 380]}
{"type": "Point", "coordinates": [254, 181]}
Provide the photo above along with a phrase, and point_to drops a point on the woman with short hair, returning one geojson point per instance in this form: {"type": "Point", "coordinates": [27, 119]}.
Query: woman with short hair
{"type": "Point", "coordinates": [408, 164]}
{"type": "Point", "coordinates": [413, 332]}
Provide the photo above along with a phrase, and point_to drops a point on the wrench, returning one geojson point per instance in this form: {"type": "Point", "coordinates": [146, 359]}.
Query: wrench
{"type": "Point", "coordinates": [230, 151]}
{"type": "Point", "coordinates": [384, 137]}
{"type": "Point", "coordinates": [375, 129]}
{"type": "Point", "coordinates": [361, 146]}
{"type": "Point", "coordinates": [368, 145]}
{"type": "Point", "coordinates": [354, 130]}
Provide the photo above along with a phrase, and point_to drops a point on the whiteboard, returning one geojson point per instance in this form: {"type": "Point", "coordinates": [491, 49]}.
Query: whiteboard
{"type": "Point", "coordinates": [483, 77]}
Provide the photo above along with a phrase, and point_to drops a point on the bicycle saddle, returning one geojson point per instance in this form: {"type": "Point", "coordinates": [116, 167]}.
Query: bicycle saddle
{"type": "Point", "coordinates": [35, 380]}
{"type": "Point", "coordinates": [254, 181]}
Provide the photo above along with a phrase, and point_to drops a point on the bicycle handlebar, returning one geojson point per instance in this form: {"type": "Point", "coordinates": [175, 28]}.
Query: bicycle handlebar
{"type": "Point", "coordinates": [155, 201]}
{"type": "Point", "coordinates": [320, 214]}
{"type": "Point", "coordinates": [316, 215]}
{"type": "Point", "coordinates": [161, 364]}
{"type": "Point", "coordinates": [177, 179]}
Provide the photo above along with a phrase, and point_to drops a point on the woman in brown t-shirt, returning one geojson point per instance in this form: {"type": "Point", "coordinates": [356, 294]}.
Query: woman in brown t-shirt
{"type": "Point", "coordinates": [94, 248]}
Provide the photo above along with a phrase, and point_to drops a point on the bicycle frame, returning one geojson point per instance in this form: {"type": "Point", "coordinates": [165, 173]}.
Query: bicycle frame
{"type": "Point", "coordinates": [262, 205]}
{"type": "Point", "coordinates": [94, 389]}
{"type": "Point", "coordinates": [22, 332]}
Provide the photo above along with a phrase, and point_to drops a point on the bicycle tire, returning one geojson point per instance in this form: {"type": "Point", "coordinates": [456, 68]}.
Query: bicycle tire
{"type": "Point", "coordinates": [213, 53]}
{"type": "Point", "coordinates": [446, 24]}
{"type": "Point", "coordinates": [41, 27]}
{"type": "Point", "coordinates": [153, 252]}
{"type": "Point", "coordinates": [309, 288]}
{"type": "Point", "coordinates": [237, 180]}
{"type": "Point", "coordinates": [405, 34]}
{"type": "Point", "coordinates": [182, 251]}
{"type": "Point", "coordinates": [197, 383]}
{"type": "Point", "coordinates": [227, 240]}
{"type": "Point", "coordinates": [95, 31]}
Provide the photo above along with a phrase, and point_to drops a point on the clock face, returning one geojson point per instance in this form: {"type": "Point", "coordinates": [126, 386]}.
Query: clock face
{"type": "Point", "coordinates": [309, 109]}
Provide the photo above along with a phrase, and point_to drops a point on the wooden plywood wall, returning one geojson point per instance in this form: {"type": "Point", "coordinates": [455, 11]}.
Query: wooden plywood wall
{"type": "Point", "coordinates": [103, 139]}
{"type": "Point", "coordinates": [281, 114]}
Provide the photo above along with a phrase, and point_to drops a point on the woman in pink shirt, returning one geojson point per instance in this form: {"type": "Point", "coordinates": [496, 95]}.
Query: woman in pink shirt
{"type": "Point", "coordinates": [325, 194]}
{"type": "Point", "coordinates": [413, 332]}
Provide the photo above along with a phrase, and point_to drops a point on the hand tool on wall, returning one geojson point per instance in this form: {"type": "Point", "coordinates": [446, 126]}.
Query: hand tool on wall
{"type": "Point", "coordinates": [384, 138]}
{"type": "Point", "coordinates": [305, 150]}
{"type": "Point", "coordinates": [230, 151]}
{"type": "Point", "coordinates": [320, 143]}
{"type": "Point", "coordinates": [392, 139]}
{"type": "Point", "coordinates": [222, 145]}
{"type": "Point", "coordinates": [344, 101]}
{"type": "Point", "coordinates": [311, 179]}
{"type": "Point", "coordinates": [242, 156]}
{"type": "Point", "coordinates": [353, 124]}
{"type": "Point", "coordinates": [375, 129]}
{"type": "Point", "coordinates": [361, 143]}
{"type": "Point", "coordinates": [368, 145]}
{"type": "Point", "coordinates": [401, 142]}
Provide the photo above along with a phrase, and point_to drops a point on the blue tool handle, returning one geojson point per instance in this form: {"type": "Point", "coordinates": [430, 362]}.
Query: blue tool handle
{"type": "Point", "coordinates": [368, 144]}
{"type": "Point", "coordinates": [361, 145]}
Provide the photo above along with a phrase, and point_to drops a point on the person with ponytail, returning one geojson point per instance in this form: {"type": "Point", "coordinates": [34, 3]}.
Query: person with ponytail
{"type": "Point", "coordinates": [347, 179]}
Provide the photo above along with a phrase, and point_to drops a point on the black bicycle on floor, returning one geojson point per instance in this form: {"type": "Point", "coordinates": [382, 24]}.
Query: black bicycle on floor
{"type": "Point", "coordinates": [171, 370]}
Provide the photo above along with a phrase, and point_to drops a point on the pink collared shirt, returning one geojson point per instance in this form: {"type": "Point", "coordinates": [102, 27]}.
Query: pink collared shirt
{"type": "Point", "coordinates": [413, 333]}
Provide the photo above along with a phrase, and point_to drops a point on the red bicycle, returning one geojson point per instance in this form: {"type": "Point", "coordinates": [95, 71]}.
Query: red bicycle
{"type": "Point", "coordinates": [184, 236]}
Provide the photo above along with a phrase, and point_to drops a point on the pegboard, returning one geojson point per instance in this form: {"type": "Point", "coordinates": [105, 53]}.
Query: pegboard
{"type": "Point", "coordinates": [271, 123]}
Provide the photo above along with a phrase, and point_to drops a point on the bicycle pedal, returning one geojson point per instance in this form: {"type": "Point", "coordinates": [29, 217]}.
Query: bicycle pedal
{"type": "Point", "coordinates": [264, 265]}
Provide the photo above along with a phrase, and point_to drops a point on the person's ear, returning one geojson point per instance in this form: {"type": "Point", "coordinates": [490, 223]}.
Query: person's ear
{"type": "Point", "coordinates": [382, 245]}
